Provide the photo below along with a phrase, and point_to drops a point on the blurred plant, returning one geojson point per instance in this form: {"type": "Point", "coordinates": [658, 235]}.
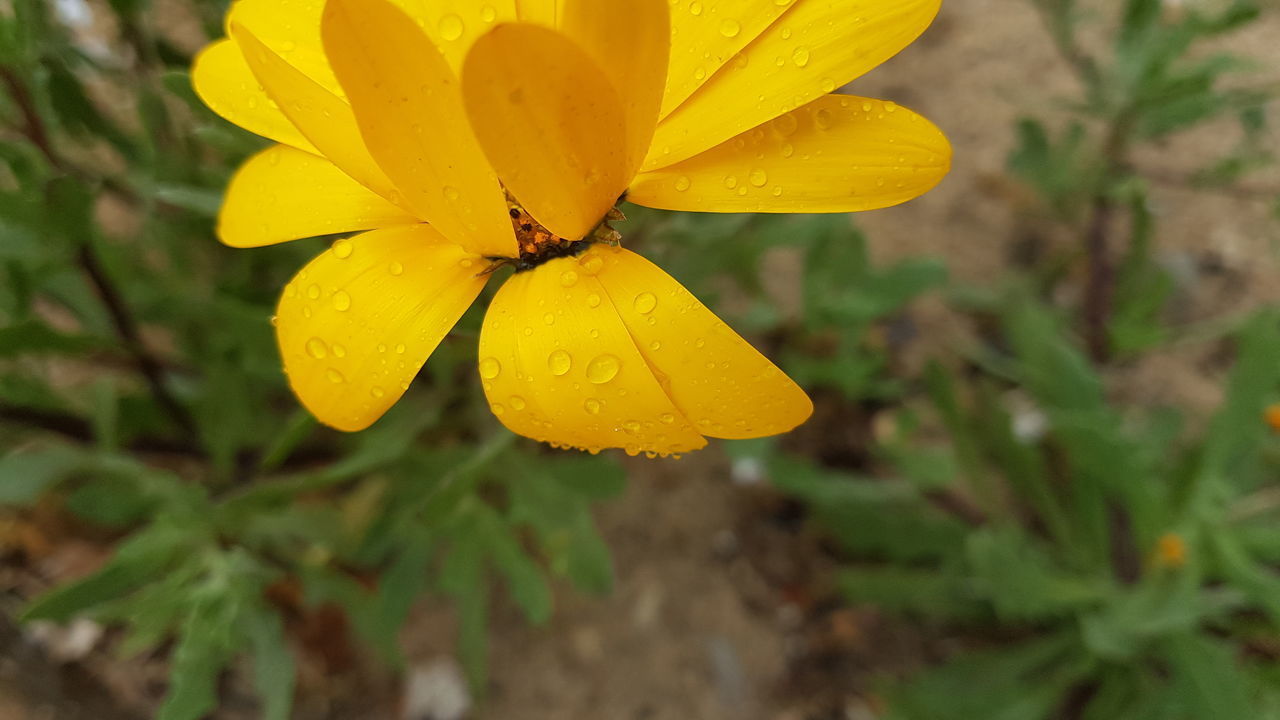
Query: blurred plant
{"type": "Point", "coordinates": [1151, 82]}
{"type": "Point", "coordinates": [140, 388]}
{"type": "Point", "coordinates": [1128, 563]}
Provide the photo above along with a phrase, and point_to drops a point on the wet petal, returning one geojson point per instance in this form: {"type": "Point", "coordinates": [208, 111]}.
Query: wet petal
{"type": "Point", "coordinates": [290, 28]}
{"type": "Point", "coordinates": [551, 124]}
{"type": "Point", "coordinates": [631, 42]}
{"type": "Point", "coordinates": [706, 35]}
{"type": "Point", "coordinates": [559, 366]}
{"type": "Point", "coordinates": [223, 80]}
{"type": "Point", "coordinates": [715, 378]}
{"type": "Point", "coordinates": [407, 103]}
{"type": "Point", "coordinates": [816, 47]}
{"type": "Point", "coordinates": [543, 12]}
{"type": "Point", "coordinates": [837, 154]}
{"type": "Point", "coordinates": [324, 118]}
{"type": "Point", "coordinates": [357, 324]}
{"type": "Point", "coordinates": [284, 194]}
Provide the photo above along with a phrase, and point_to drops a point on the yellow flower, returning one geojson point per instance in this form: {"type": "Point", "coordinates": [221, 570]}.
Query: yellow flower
{"type": "Point", "coordinates": [464, 133]}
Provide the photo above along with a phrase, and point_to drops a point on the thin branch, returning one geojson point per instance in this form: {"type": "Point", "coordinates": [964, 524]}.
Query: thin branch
{"type": "Point", "coordinates": [126, 327]}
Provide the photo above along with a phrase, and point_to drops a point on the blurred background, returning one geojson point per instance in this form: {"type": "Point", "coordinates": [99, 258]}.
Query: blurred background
{"type": "Point", "coordinates": [1040, 482]}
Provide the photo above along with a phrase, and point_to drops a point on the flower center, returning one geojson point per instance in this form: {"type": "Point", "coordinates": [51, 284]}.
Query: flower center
{"type": "Point", "coordinates": [538, 245]}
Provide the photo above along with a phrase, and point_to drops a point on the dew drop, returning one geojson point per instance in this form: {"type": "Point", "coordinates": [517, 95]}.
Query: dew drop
{"type": "Point", "coordinates": [568, 278]}
{"type": "Point", "coordinates": [667, 419]}
{"type": "Point", "coordinates": [400, 349]}
{"type": "Point", "coordinates": [342, 249]}
{"type": "Point", "coordinates": [759, 177]}
{"type": "Point", "coordinates": [559, 363]}
{"type": "Point", "coordinates": [730, 28]}
{"type": "Point", "coordinates": [313, 292]}
{"type": "Point", "coordinates": [801, 56]}
{"type": "Point", "coordinates": [683, 183]}
{"type": "Point", "coordinates": [517, 403]}
{"type": "Point", "coordinates": [490, 368]}
{"type": "Point", "coordinates": [603, 369]}
{"type": "Point", "coordinates": [497, 409]}
{"type": "Point", "coordinates": [695, 8]}
{"type": "Point", "coordinates": [592, 406]}
{"type": "Point", "coordinates": [341, 301]}
{"type": "Point", "coordinates": [335, 377]}
{"type": "Point", "coordinates": [396, 268]}
{"type": "Point", "coordinates": [549, 318]}
{"type": "Point", "coordinates": [317, 349]}
{"type": "Point", "coordinates": [339, 351]}
{"type": "Point", "coordinates": [488, 14]}
{"type": "Point", "coordinates": [823, 119]}
{"type": "Point", "coordinates": [451, 27]}
{"type": "Point", "coordinates": [378, 393]}
{"type": "Point", "coordinates": [645, 303]}
{"type": "Point", "coordinates": [592, 264]}
{"type": "Point", "coordinates": [593, 300]}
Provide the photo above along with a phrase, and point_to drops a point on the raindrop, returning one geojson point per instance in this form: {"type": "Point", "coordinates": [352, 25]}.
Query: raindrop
{"type": "Point", "coordinates": [317, 349]}
{"type": "Point", "coordinates": [451, 193]}
{"type": "Point", "coordinates": [497, 409]}
{"type": "Point", "coordinates": [341, 301]}
{"type": "Point", "coordinates": [378, 393]}
{"type": "Point", "coordinates": [568, 278]}
{"type": "Point", "coordinates": [682, 183]}
{"type": "Point", "coordinates": [335, 377]}
{"type": "Point", "coordinates": [759, 177]}
{"type": "Point", "coordinates": [592, 264]}
{"type": "Point", "coordinates": [730, 28]}
{"type": "Point", "coordinates": [801, 56]}
{"type": "Point", "coordinates": [313, 292]}
{"type": "Point", "coordinates": [559, 363]}
{"type": "Point", "coordinates": [603, 369]}
{"type": "Point", "coordinates": [451, 27]}
{"type": "Point", "coordinates": [592, 406]}
{"type": "Point", "coordinates": [490, 368]}
{"type": "Point", "coordinates": [517, 403]}
{"type": "Point", "coordinates": [396, 268]}
{"type": "Point", "coordinates": [645, 303]}
{"type": "Point", "coordinates": [593, 300]}
{"type": "Point", "coordinates": [342, 249]}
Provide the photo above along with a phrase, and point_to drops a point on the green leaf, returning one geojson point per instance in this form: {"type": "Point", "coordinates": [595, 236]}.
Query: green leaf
{"type": "Point", "coordinates": [274, 671]}
{"type": "Point", "coordinates": [205, 646]}
{"type": "Point", "coordinates": [26, 474]}
{"type": "Point", "coordinates": [524, 578]}
{"type": "Point", "coordinates": [1208, 677]}
{"type": "Point", "coordinates": [138, 560]}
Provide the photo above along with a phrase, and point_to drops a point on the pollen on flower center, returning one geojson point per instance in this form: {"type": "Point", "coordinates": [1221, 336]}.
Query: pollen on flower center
{"type": "Point", "coordinates": [538, 245]}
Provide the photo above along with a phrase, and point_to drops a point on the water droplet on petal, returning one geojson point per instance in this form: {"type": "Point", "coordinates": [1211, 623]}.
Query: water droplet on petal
{"type": "Point", "coordinates": [603, 369]}
{"type": "Point", "coordinates": [568, 278]}
{"type": "Point", "coordinates": [683, 183]}
{"type": "Point", "coordinates": [336, 377]}
{"type": "Point", "coordinates": [645, 303]}
{"type": "Point", "coordinates": [317, 349]}
{"type": "Point", "coordinates": [801, 56]}
{"type": "Point", "coordinates": [730, 28]}
{"type": "Point", "coordinates": [559, 363]}
{"type": "Point", "coordinates": [490, 368]}
{"type": "Point", "coordinates": [759, 177]}
{"type": "Point", "coordinates": [517, 403]}
{"type": "Point", "coordinates": [342, 249]}
{"type": "Point", "coordinates": [396, 268]}
{"type": "Point", "coordinates": [592, 264]}
{"type": "Point", "coordinates": [341, 301]}
{"type": "Point", "coordinates": [592, 406]}
{"type": "Point", "coordinates": [593, 300]}
{"type": "Point", "coordinates": [451, 27]}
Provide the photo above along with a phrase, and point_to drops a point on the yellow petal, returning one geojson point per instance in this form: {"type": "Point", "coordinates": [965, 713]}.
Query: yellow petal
{"type": "Point", "coordinates": [357, 324]}
{"type": "Point", "coordinates": [559, 366]}
{"type": "Point", "coordinates": [543, 12]}
{"type": "Point", "coordinates": [285, 194]}
{"type": "Point", "coordinates": [550, 122]}
{"type": "Point", "coordinates": [407, 103]}
{"type": "Point", "coordinates": [454, 25]}
{"type": "Point", "coordinates": [837, 154]}
{"type": "Point", "coordinates": [631, 42]}
{"type": "Point", "coordinates": [818, 46]}
{"type": "Point", "coordinates": [292, 29]}
{"type": "Point", "coordinates": [702, 41]}
{"type": "Point", "coordinates": [715, 378]}
{"type": "Point", "coordinates": [324, 118]}
{"type": "Point", "coordinates": [223, 80]}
